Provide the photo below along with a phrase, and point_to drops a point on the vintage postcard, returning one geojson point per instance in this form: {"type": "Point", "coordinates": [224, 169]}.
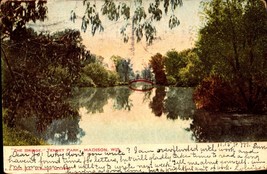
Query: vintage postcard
{"type": "Point", "coordinates": [102, 86]}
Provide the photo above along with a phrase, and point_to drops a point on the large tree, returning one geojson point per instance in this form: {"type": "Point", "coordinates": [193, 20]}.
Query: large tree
{"type": "Point", "coordinates": [147, 73]}
{"type": "Point", "coordinates": [173, 63]}
{"type": "Point", "coordinates": [157, 63]}
{"type": "Point", "coordinates": [37, 69]}
{"type": "Point", "coordinates": [123, 67]}
{"type": "Point", "coordinates": [233, 46]}
{"type": "Point", "coordinates": [42, 70]}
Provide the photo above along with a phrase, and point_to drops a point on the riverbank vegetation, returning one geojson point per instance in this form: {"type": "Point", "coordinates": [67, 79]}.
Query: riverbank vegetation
{"type": "Point", "coordinates": [183, 69]}
{"type": "Point", "coordinates": [19, 137]}
{"type": "Point", "coordinates": [228, 65]}
{"type": "Point", "coordinates": [232, 46]}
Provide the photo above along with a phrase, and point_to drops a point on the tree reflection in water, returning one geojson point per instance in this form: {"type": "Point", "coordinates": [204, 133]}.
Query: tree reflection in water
{"type": "Point", "coordinates": [147, 96]}
{"type": "Point", "coordinates": [94, 99]}
{"type": "Point", "coordinates": [61, 131]}
{"type": "Point", "coordinates": [64, 131]}
{"type": "Point", "coordinates": [121, 100]}
{"type": "Point", "coordinates": [179, 103]}
{"type": "Point", "coordinates": [156, 104]}
{"type": "Point", "coordinates": [173, 102]}
{"type": "Point", "coordinates": [218, 127]}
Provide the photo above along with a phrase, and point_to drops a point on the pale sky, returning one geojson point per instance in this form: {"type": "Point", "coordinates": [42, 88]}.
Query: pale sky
{"type": "Point", "coordinates": [110, 42]}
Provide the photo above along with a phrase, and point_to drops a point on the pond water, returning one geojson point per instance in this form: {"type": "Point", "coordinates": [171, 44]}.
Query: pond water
{"type": "Point", "coordinates": [120, 115]}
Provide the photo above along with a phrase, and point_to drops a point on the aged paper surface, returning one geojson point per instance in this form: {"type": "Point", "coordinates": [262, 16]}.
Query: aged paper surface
{"type": "Point", "coordinates": [129, 129]}
{"type": "Point", "coordinates": [200, 157]}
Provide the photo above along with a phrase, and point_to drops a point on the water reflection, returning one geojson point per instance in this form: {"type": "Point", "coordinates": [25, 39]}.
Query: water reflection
{"type": "Point", "coordinates": [62, 131]}
{"type": "Point", "coordinates": [119, 115]}
{"type": "Point", "coordinates": [218, 127]}
{"type": "Point", "coordinates": [172, 101]}
{"type": "Point", "coordinates": [121, 99]}
{"type": "Point", "coordinates": [94, 99]}
{"type": "Point", "coordinates": [65, 131]}
{"type": "Point", "coordinates": [130, 116]}
{"type": "Point", "coordinates": [176, 104]}
{"type": "Point", "coordinates": [157, 103]}
{"type": "Point", "coordinates": [141, 86]}
{"type": "Point", "coordinates": [179, 103]}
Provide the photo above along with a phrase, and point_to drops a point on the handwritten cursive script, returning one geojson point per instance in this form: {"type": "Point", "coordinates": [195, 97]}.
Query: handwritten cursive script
{"type": "Point", "coordinates": [239, 156]}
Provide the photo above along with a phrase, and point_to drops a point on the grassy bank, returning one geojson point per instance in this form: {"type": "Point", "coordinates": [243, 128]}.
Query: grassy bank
{"type": "Point", "coordinates": [18, 137]}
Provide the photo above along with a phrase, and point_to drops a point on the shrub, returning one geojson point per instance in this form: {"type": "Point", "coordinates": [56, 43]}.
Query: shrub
{"type": "Point", "coordinates": [100, 76]}
{"type": "Point", "coordinates": [171, 80]}
{"type": "Point", "coordinates": [113, 78]}
{"type": "Point", "coordinates": [192, 74]}
{"type": "Point", "coordinates": [215, 94]}
{"type": "Point", "coordinates": [85, 81]}
{"type": "Point", "coordinates": [18, 137]}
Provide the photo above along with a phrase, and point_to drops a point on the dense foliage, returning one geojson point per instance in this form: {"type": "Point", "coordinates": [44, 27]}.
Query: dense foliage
{"type": "Point", "coordinates": [232, 46]}
{"type": "Point", "coordinates": [124, 68]}
{"type": "Point", "coordinates": [99, 75]}
{"type": "Point", "coordinates": [146, 73]}
{"type": "Point", "coordinates": [15, 14]}
{"type": "Point", "coordinates": [38, 73]}
{"type": "Point", "coordinates": [40, 70]}
{"type": "Point", "coordinates": [178, 68]}
{"type": "Point", "coordinates": [157, 63]}
{"type": "Point", "coordinates": [184, 68]}
{"type": "Point", "coordinates": [215, 94]}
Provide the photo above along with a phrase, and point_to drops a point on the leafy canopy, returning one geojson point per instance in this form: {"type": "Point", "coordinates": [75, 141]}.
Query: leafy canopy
{"type": "Point", "coordinates": [123, 67]}
{"type": "Point", "coordinates": [15, 14]}
{"type": "Point", "coordinates": [157, 63]}
{"type": "Point", "coordinates": [232, 45]}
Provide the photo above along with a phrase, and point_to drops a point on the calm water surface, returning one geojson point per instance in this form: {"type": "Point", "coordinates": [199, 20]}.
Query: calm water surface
{"type": "Point", "coordinates": [119, 115]}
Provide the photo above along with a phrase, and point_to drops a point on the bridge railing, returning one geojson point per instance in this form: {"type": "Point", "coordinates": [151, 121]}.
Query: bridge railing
{"type": "Point", "coordinates": [141, 80]}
